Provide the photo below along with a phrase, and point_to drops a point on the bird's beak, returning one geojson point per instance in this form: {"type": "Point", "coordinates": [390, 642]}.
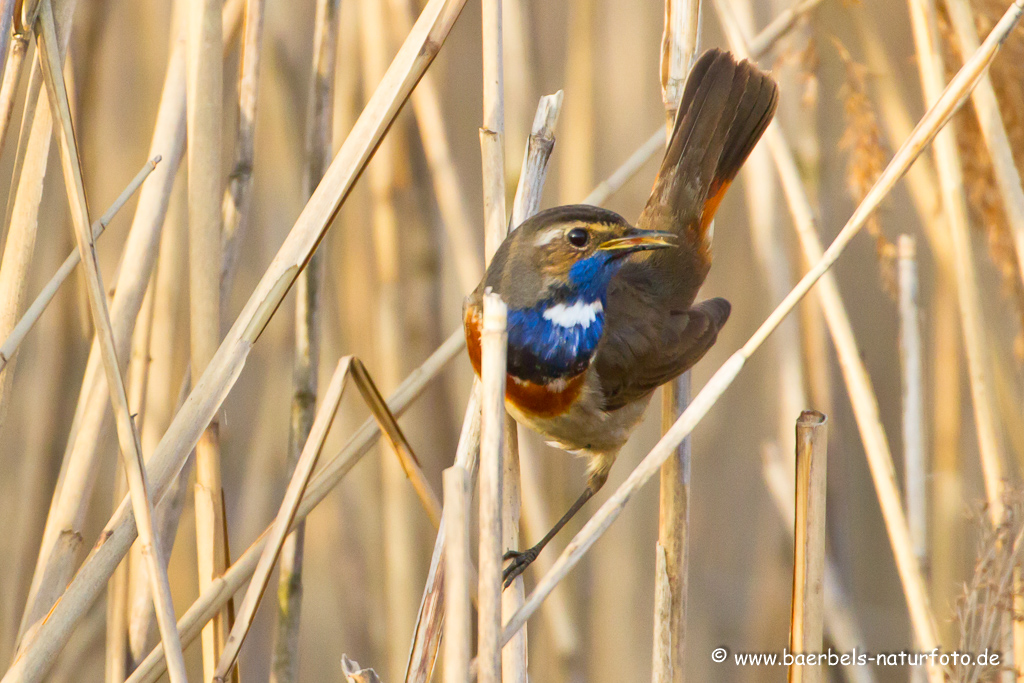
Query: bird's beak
{"type": "Point", "coordinates": [639, 240]}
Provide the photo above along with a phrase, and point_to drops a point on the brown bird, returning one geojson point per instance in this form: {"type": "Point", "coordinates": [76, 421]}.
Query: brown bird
{"type": "Point", "coordinates": [601, 313]}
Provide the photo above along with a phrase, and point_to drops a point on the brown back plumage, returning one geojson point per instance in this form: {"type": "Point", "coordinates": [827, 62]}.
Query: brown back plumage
{"type": "Point", "coordinates": [725, 108]}
{"type": "Point", "coordinates": [653, 335]}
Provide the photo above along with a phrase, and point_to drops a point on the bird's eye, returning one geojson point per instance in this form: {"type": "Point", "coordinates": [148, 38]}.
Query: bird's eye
{"type": "Point", "coordinates": [578, 237]}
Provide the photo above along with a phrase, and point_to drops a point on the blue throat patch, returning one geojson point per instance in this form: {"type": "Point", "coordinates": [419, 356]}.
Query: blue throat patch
{"type": "Point", "coordinates": [540, 350]}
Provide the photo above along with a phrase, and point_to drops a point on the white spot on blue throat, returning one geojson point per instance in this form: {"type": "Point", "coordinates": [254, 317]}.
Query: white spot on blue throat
{"type": "Point", "coordinates": [582, 313]}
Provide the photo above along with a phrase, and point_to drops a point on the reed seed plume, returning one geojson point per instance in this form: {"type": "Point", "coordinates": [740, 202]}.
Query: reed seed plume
{"type": "Point", "coordinates": [986, 205]}
{"type": "Point", "coordinates": [988, 595]}
{"type": "Point", "coordinates": [865, 156]}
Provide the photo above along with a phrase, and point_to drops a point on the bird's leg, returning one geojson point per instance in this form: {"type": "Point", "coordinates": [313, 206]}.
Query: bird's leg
{"type": "Point", "coordinates": [521, 559]}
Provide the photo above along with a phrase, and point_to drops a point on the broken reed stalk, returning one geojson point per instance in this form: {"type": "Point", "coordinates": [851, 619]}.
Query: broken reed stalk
{"type": "Point", "coordinates": [49, 290]}
{"type": "Point", "coordinates": [329, 475]}
{"type": "Point", "coordinates": [71, 497]}
{"type": "Point", "coordinates": [807, 619]}
{"type": "Point", "coordinates": [993, 130]}
{"type": "Point", "coordinates": [859, 388]}
{"type": "Point", "coordinates": [679, 45]}
{"type": "Point", "coordinates": [458, 625]}
{"type": "Point", "coordinates": [912, 371]}
{"type": "Point", "coordinates": [937, 116]}
{"type": "Point", "coordinates": [306, 360]}
{"type": "Point", "coordinates": [204, 84]}
{"type": "Point", "coordinates": [950, 173]}
{"type": "Point", "coordinates": [303, 470]}
{"type": "Point", "coordinates": [494, 344]}
{"type": "Point", "coordinates": [527, 202]}
{"type": "Point", "coordinates": [128, 438]}
{"type": "Point", "coordinates": [417, 52]}
{"type": "Point", "coordinates": [426, 106]}
{"type": "Point", "coordinates": [840, 623]}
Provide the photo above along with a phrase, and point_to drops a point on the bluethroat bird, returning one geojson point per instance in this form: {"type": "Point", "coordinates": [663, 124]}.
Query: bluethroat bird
{"type": "Point", "coordinates": [601, 313]}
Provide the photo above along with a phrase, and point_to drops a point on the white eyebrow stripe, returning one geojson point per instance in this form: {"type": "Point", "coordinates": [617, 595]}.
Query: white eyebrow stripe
{"type": "Point", "coordinates": [580, 313]}
{"type": "Point", "coordinates": [547, 237]}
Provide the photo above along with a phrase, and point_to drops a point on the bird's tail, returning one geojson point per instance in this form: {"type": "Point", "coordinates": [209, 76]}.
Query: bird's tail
{"type": "Point", "coordinates": [725, 108]}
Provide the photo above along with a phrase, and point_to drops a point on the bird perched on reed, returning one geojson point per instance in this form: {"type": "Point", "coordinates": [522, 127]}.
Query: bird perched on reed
{"type": "Point", "coordinates": [601, 313]}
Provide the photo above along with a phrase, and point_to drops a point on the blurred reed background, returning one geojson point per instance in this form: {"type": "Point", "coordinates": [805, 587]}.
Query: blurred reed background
{"type": "Point", "coordinates": [387, 286]}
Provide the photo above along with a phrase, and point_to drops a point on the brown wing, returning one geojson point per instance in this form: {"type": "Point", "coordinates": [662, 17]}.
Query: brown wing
{"type": "Point", "coordinates": [638, 356]}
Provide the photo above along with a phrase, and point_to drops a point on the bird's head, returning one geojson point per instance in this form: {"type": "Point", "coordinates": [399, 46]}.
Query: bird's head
{"type": "Point", "coordinates": [569, 252]}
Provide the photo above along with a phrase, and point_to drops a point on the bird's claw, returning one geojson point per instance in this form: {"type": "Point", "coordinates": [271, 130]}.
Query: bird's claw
{"type": "Point", "coordinates": [519, 561]}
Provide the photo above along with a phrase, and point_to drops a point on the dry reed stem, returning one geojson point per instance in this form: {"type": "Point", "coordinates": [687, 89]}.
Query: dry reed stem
{"type": "Point", "coordinates": [306, 359]}
{"type": "Point", "coordinates": [911, 373]}
{"type": "Point", "coordinates": [993, 130]}
{"type": "Point", "coordinates": [497, 450]}
{"type": "Point", "coordinates": [237, 200]}
{"type": "Point", "coordinates": [840, 622]}
{"type": "Point", "coordinates": [679, 45]}
{"type": "Point", "coordinates": [416, 54]}
{"type": "Point", "coordinates": [49, 57]}
{"type": "Point", "coordinates": [527, 202]}
{"type": "Point", "coordinates": [30, 167]}
{"type": "Point", "coordinates": [535, 161]}
{"type": "Point", "coordinates": [49, 290]}
{"type": "Point", "coordinates": [807, 619]}
{"type": "Point", "coordinates": [427, 634]}
{"type": "Point", "coordinates": [303, 470]}
{"type": "Point", "coordinates": [26, 190]}
{"type": "Point", "coordinates": [937, 116]}
{"type": "Point", "coordinates": [71, 497]}
{"type": "Point", "coordinates": [12, 57]}
{"type": "Point", "coordinates": [493, 343]}
{"type": "Point", "coordinates": [950, 174]}
{"type": "Point", "coordinates": [118, 589]}
{"type": "Point", "coordinates": [169, 391]}
{"type": "Point", "coordinates": [332, 472]}
{"type": "Point", "coordinates": [458, 625]}
{"type": "Point", "coordinates": [859, 388]}
{"type": "Point", "coordinates": [945, 385]}
{"type": "Point", "coordinates": [426, 105]}
{"type": "Point", "coordinates": [390, 325]}
{"type": "Point", "coordinates": [204, 88]}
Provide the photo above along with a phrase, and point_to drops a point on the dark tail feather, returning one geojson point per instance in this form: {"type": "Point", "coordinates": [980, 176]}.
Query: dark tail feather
{"type": "Point", "coordinates": [725, 108]}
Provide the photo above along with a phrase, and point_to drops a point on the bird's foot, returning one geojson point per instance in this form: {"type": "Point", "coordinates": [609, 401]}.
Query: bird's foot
{"type": "Point", "coordinates": [520, 560]}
